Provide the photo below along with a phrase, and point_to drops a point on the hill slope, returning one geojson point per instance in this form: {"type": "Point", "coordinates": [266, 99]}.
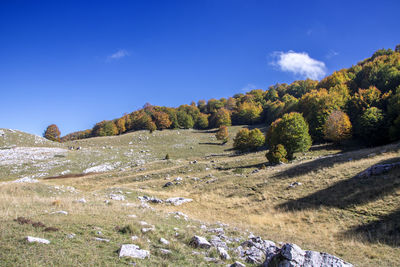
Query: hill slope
{"type": "Point", "coordinates": [319, 201]}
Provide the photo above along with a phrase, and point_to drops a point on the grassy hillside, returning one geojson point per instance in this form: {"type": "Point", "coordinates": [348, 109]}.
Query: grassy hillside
{"type": "Point", "coordinates": [331, 210]}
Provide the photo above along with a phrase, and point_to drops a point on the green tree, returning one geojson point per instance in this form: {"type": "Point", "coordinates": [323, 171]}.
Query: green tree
{"type": "Point", "coordinates": [221, 117]}
{"type": "Point", "coordinates": [202, 121]}
{"type": "Point", "coordinates": [52, 133]}
{"type": "Point", "coordinates": [277, 154]}
{"type": "Point", "coordinates": [292, 132]}
{"type": "Point", "coordinates": [372, 126]}
{"type": "Point", "coordinates": [185, 120]}
{"type": "Point", "coordinates": [247, 139]}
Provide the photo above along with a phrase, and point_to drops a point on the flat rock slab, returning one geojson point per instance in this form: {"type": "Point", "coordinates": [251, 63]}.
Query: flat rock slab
{"type": "Point", "coordinates": [32, 239]}
{"type": "Point", "coordinates": [133, 251]}
{"type": "Point", "coordinates": [176, 201]}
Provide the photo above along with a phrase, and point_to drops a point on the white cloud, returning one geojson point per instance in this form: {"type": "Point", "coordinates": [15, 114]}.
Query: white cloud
{"type": "Point", "coordinates": [248, 87]}
{"type": "Point", "coordinates": [121, 53]}
{"type": "Point", "coordinates": [331, 54]}
{"type": "Point", "coordinates": [299, 64]}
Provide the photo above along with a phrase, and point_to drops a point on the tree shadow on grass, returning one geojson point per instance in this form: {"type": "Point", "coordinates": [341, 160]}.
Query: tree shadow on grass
{"type": "Point", "coordinates": [350, 192]}
{"type": "Point", "coordinates": [213, 144]}
{"type": "Point", "coordinates": [384, 230]}
{"type": "Point", "coordinates": [329, 161]}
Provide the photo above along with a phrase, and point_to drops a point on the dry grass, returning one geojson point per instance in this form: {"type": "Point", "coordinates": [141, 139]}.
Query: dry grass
{"type": "Point", "coordinates": [331, 211]}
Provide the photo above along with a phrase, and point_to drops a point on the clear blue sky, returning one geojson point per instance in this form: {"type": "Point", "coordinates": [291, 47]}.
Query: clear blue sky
{"type": "Point", "coordinates": [75, 63]}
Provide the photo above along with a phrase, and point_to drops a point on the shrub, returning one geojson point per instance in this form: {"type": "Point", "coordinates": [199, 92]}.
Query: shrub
{"type": "Point", "coordinates": [337, 127]}
{"type": "Point", "coordinates": [222, 134]}
{"type": "Point", "coordinates": [292, 132]}
{"type": "Point", "coordinates": [248, 140]}
{"type": "Point", "coordinates": [52, 133]}
{"type": "Point", "coordinates": [167, 157]}
{"type": "Point", "coordinates": [127, 229]}
{"type": "Point", "coordinates": [277, 154]}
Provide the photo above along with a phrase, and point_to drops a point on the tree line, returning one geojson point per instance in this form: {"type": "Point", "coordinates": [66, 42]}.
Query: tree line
{"type": "Point", "coordinates": [360, 102]}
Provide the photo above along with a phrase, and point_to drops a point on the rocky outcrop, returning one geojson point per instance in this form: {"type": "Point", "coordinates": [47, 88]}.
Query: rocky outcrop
{"type": "Point", "coordinates": [378, 169]}
{"type": "Point", "coordinates": [291, 255]}
{"type": "Point", "coordinates": [32, 239]}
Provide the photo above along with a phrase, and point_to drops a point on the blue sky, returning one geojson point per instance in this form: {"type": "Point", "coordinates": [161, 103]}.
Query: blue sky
{"type": "Point", "coordinates": [75, 63]}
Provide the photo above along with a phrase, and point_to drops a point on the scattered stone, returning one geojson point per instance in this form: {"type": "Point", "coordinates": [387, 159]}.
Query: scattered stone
{"type": "Point", "coordinates": [292, 185]}
{"type": "Point", "coordinates": [133, 251]}
{"type": "Point", "coordinates": [60, 212]}
{"type": "Point", "coordinates": [134, 237]}
{"type": "Point", "coordinates": [179, 214]}
{"type": "Point", "coordinates": [32, 239]}
{"type": "Point", "coordinates": [117, 197]}
{"type": "Point", "coordinates": [208, 259]}
{"type": "Point", "coordinates": [168, 184]}
{"type": "Point", "coordinates": [178, 179]}
{"type": "Point", "coordinates": [216, 230]}
{"type": "Point", "coordinates": [199, 242]}
{"type": "Point", "coordinates": [102, 239]}
{"type": "Point", "coordinates": [70, 236]}
{"type": "Point", "coordinates": [217, 242]}
{"type": "Point", "coordinates": [145, 230]}
{"type": "Point", "coordinates": [165, 251]}
{"type": "Point", "coordinates": [143, 223]}
{"type": "Point", "coordinates": [164, 241]}
{"type": "Point", "coordinates": [26, 180]}
{"type": "Point", "coordinates": [223, 253]}
{"type": "Point", "coordinates": [150, 199]}
{"type": "Point", "coordinates": [255, 171]}
{"type": "Point", "coordinates": [132, 216]}
{"type": "Point", "coordinates": [176, 201]}
{"type": "Point", "coordinates": [82, 200]}
{"type": "Point", "coordinates": [107, 201]}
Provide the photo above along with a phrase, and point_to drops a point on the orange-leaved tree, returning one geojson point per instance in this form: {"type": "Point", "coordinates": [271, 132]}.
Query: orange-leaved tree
{"type": "Point", "coordinates": [337, 127]}
{"type": "Point", "coordinates": [52, 133]}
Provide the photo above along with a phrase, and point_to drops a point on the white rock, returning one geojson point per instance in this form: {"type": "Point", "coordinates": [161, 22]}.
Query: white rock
{"type": "Point", "coordinates": [223, 253]}
{"type": "Point", "coordinates": [133, 251]}
{"type": "Point", "coordinates": [200, 242]}
{"type": "Point", "coordinates": [102, 239]}
{"type": "Point", "coordinates": [82, 200]}
{"type": "Point", "coordinates": [176, 201]}
{"type": "Point", "coordinates": [60, 212]}
{"type": "Point", "coordinates": [117, 197]}
{"type": "Point", "coordinates": [134, 237]}
{"type": "Point", "coordinates": [26, 180]}
{"type": "Point", "coordinates": [164, 241]}
{"type": "Point", "coordinates": [165, 251]}
{"type": "Point", "coordinates": [143, 223]}
{"type": "Point", "coordinates": [71, 235]}
{"type": "Point", "coordinates": [32, 239]}
{"type": "Point", "coordinates": [132, 216]}
{"type": "Point", "coordinates": [100, 168]}
{"type": "Point", "coordinates": [145, 230]}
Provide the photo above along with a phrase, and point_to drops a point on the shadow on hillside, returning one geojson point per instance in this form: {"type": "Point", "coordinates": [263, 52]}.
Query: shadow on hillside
{"type": "Point", "coordinates": [258, 166]}
{"type": "Point", "coordinates": [329, 161]}
{"type": "Point", "coordinates": [213, 144]}
{"type": "Point", "coordinates": [384, 230]}
{"type": "Point", "coordinates": [353, 191]}
{"type": "Point", "coordinates": [205, 131]}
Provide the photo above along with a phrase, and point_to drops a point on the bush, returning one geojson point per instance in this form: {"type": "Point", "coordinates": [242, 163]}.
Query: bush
{"type": "Point", "coordinates": [292, 132]}
{"type": "Point", "coordinates": [248, 140]}
{"type": "Point", "coordinates": [167, 157]}
{"type": "Point", "coordinates": [127, 229]}
{"type": "Point", "coordinates": [222, 134]}
{"type": "Point", "coordinates": [202, 121]}
{"type": "Point", "coordinates": [277, 154]}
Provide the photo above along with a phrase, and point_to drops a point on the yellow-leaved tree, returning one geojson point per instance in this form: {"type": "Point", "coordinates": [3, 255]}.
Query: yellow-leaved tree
{"type": "Point", "coordinates": [337, 127]}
